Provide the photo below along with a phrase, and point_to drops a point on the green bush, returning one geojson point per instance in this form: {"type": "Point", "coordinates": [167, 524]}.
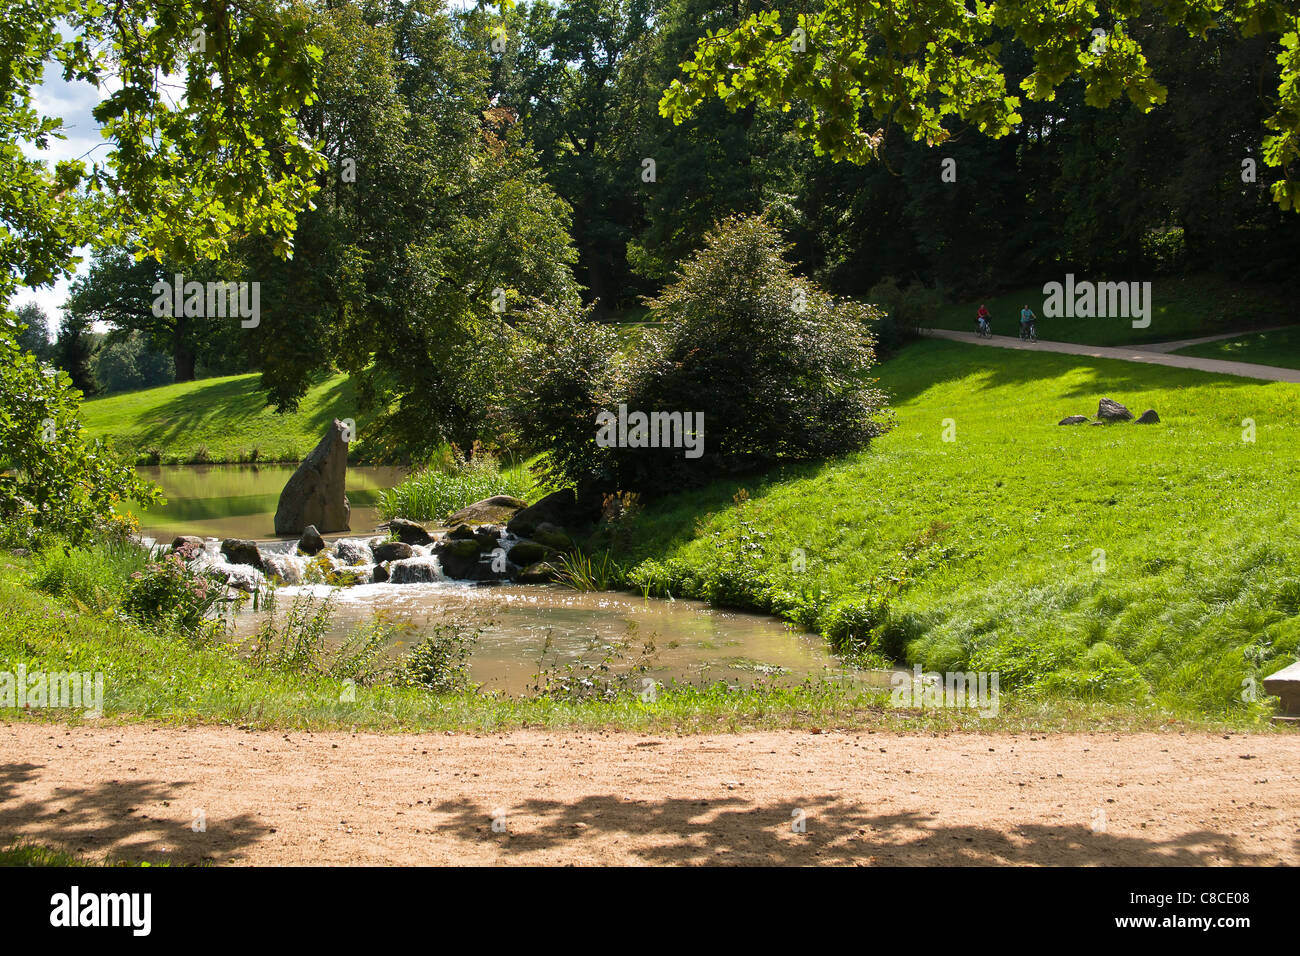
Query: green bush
{"type": "Point", "coordinates": [905, 312]}
{"type": "Point", "coordinates": [439, 663]}
{"type": "Point", "coordinates": [168, 595]}
{"type": "Point", "coordinates": [51, 477]}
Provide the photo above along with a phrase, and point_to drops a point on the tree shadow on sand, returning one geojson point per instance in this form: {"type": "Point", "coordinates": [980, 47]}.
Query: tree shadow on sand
{"type": "Point", "coordinates": [734, 831]}
{"type": "Point", "coordinates": [110, 820]}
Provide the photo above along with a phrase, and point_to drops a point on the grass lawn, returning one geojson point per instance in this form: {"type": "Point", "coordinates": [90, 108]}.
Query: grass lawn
{"type": "Point", "coordinates": [1280, 347]}
{"type": "Point", "coordinates": [217, 420]}
{"type": "Point", "coordinates": [1183, 308]}
{"type": "Point", "coordinates": [1144, 563]}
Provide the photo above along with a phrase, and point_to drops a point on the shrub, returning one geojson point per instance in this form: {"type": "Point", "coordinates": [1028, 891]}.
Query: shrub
{"type": "Point", "coordinates": [905, 312]}
{"type": "Point", "coordinates": [778, 368]}
{"type": "Point", "coordinates": [439, 663]}
{"type": "Point", "coordinates": [94, 575]}
{"type": "Point", "coordinates": [168, 595]}
{"type": "Point", "coordinates": [51, 476]}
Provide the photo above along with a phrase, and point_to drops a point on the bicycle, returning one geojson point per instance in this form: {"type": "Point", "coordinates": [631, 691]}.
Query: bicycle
{"type": "Point", "coordinates": [1029, 332]}
{"type": "Point", "coordinates": [983, 329]}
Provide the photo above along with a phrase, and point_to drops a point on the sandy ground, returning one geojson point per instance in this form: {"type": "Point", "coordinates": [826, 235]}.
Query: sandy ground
{"type": "Point", "coordinates": [1132, 353]}
{"type": "Point", "coordinates": [547, 797]}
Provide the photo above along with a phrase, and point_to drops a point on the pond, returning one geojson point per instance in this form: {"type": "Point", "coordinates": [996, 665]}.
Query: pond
{"type": "Point", "coordinates": [525, 629]}
{"type": "Point", "coordinates": [239, 501]}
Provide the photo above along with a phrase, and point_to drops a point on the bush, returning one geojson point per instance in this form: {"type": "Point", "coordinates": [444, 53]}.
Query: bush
{"type": "Point", "coordinates": [778, 368]}
{"type": "Point", "coordinates": [168, 595]}
{"type": "Point", "coordinates": [439, 663]}
{"type": "Point", "coordinates": [449, 485]}
{"type": "Point", "coordinates": [51, 477]}
{"type": "Point", "coordinates": [905, 312]}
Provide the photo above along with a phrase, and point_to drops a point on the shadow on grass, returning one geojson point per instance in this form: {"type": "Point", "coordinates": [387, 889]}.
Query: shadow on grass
{"type": "Point", "coordinates": [107, 819]}
{"type": "Point", "coordinates": [734, 831]}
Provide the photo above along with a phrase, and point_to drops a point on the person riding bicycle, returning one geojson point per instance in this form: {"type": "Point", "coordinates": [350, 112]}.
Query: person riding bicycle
{"type": "Point", "coordinates": [982, 319]}
{"type": "Point", "coordinates": [1027, 321]}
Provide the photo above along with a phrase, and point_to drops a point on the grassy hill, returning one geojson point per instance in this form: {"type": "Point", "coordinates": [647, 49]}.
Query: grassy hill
{"type": "Point", "coordinates": [1279, 347]}
{"type": "Point", "coordinates": [1184, 307]}
{"type": "Point", "coordinates": [1122, 563]}
{"type": "Point", "coordinates": [217, 420]}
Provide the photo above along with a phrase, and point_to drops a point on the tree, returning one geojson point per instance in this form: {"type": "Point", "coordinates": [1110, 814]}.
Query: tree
{"type": "Point", "coordinates": [184, 174]}
{"type": "Point", "coordinates": [433, 230]}
{"type": "Point", "coordinates": [35, 338]}
{"type": "Point", "coordinates": [74, 351]}
{"type": "Point", "coordinates": [932, 65]}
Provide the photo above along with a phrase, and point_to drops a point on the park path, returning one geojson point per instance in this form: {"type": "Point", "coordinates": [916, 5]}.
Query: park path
{"type": "Point", "coordinates": [224, 795]}
{"type": "Point", "coordinates": [1130, 353]}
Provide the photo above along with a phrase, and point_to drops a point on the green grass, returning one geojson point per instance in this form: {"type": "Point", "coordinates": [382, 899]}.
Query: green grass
{"type": "Point", "coordinates": [1279, 347]}
{"type": "Point", "coordinates": [222, 420]}
{"type": "Point", "coordinates": [36, 854]}
{"type": "Point", "coordinates": [152, 677]}
{"type": "Point", "coordinates": [439, 489]}
{"type": "Point", "coordinates": [1199, 529]}
{"type": "Point", "coordinates": [1184, 307]}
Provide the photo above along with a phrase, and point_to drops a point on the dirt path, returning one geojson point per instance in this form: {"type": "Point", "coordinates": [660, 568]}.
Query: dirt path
{"type": "Point", "coordinates": [622, 798]}
{"type": "Point", "coordinates": [1177, 344]}
{"type": "Point", "coordinates": [1149, 356]}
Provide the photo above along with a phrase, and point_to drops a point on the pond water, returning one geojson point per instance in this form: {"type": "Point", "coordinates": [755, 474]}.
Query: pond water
{"type": "Point", "coordinates": [526, 629]}
{"type": "Point", "coordinates": [239, 501]}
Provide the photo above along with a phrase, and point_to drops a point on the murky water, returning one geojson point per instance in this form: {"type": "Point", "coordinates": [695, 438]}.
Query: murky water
{"type": "Point", "coordinates": [239, 501]}
{"type": "Point", "coordinates": [531, 628]}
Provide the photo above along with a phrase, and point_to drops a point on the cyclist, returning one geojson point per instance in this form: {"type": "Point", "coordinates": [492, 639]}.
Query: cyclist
{"type": "Point", "coordinates": [982, 320]}
{"type": "Point", "coordinates": [1027, 321]}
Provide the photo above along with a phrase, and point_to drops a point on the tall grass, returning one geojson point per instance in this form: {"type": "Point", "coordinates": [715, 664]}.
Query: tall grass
{"type": "Point", "coordinates": [93, 576]}
{"type": "Point", "coordinates": [453, 482]}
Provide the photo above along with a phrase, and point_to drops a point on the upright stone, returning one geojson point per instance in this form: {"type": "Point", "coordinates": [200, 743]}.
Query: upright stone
{"type": "Point", "coordinates": [315, 494]}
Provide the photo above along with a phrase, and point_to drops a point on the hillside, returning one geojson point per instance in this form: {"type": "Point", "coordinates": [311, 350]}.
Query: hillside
{"type": "Point", "coordinates": [217, 420]}
{"type": "Point", "coordinates": [1114, 562]}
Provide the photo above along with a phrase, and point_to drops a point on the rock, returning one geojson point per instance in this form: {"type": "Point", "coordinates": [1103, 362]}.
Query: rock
{"type": "Point", "coordinates": [527, 552]}
{"type": "Point", "coordinates": [311, 542]}
{"type": "Point", "coordinates": [1096, 423]}
{"type": "Point", "coordinates": [379, 575]}
{"type": "Point", "coordinates": [1286, 685]}
{"type": "Point", "coordinates": [538, 573]}
{"type": "Point", "coordinates": [315, 494]}
{"type": "Point", "coordinates": [1109, 410]}
{"type": "Point", "coordinates": [552, 536]}
{"type": "Point", "coordinates": [459, 557]}
{"type": "Point", "coordinates": [353, 552]}
{"type": "Point", "coordinates": [489, 535]}
{"type": "Point", "coordinates": [1149, 417]}
{"type": "Point", "coordinates": [1073, 420]}
{"type": "Point", "coordinates": [557, 508]}
{"type": "Point", "coordinates": [408, 532]}
{"type": "Point", "coordinates": [414, 571]}
{"type": "Point", "coordinates": [392, 551]}
{"type": "Point", "coordinates": [462, 532]}
{"type": "Point", "coordinates": [495, 510]}
{"type": "Point", "coordinates": [242, 551]}
{"type": "Point", "coordinates": [181, 540]}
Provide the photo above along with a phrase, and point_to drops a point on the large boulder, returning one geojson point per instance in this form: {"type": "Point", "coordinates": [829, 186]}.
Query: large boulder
{"type": "Point", "coordinates": [1149, 417]}
{"type": "Point", "coordinates": [557, 508]}
{"type": "Point", "coordinates": [242, 551]}
{"type": "Point", "coordinates": [350, 551]}
{"type": "Point", "coordinates": [1285, 684]}
{"type": "Point", "coordinates": [495, 510]}
{"type": "Point", "coordinates": [1109, 410]}
{"type": "Point", "coordinates": [316, 493]}
{"type": "Point", "coordinates": [525, 552]}
{"type": "Point", "coordinates": [408, 532]}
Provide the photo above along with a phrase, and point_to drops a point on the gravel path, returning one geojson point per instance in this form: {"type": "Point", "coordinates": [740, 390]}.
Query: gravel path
{"type": "Point", "coordinates": [622, 798]}
{"type": "Point", "coordinates": [1130, 354]}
